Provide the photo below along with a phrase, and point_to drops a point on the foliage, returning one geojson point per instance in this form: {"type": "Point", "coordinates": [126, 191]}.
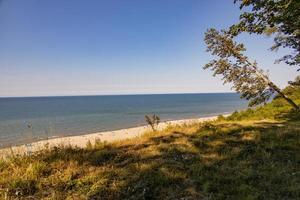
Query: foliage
{"type": "Point", "coordinates": [153, 121]}
{"type": "Point", "coordinates": [280, 17]}
{"type": "Point", "coordinates": [247, 79]}
{"type": "Point", "coordinates": [278, 109]}
{"type": "Point", "coordinates": [296, 82]}
{"type": "Point", "coordinates": [239, 157]}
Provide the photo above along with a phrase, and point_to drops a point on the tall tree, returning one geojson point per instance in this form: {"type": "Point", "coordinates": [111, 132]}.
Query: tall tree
{"type": "Point", "coordinates": [278, 17]}
{"type": "Point", "coordinates": [236, 68]}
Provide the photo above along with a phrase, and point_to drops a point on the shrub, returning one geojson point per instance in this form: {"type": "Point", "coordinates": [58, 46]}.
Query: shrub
{"type": "Point", "coordinates": [221, 118]}
{"type": "Point", "coordinates": [153, 121]}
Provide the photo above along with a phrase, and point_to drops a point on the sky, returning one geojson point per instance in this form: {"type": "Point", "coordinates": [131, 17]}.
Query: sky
{"type": "Point", "coordinates": [98, 47]}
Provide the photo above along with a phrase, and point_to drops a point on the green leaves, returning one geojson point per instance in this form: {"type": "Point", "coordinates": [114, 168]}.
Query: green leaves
{"type": "Point", "coordinates": [280, 17]}
{"type": "Point", "coordinates": [235, 67]}
{"type": "Point", "coordinates": [247, 79]}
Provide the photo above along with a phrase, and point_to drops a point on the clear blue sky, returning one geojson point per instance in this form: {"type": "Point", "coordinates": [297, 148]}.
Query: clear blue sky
{"type": "Point", "coordinates": [79, 47]}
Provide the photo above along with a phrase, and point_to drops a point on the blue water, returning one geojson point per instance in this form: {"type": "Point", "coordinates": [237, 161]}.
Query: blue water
{"type": "Point", "coordinates": [30, 119]}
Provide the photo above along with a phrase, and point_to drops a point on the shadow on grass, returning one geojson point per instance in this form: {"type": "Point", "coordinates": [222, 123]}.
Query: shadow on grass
{"type": "Point", "coordinates": [291, 116]}
{"type": "Point", "coordinates": [218, 161]}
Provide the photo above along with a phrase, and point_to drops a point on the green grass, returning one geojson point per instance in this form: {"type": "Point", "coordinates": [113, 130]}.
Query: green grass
{"type": "Point", "coordinates": [245, 156]}
{"type": "Point", "coordinates": [278, 109]}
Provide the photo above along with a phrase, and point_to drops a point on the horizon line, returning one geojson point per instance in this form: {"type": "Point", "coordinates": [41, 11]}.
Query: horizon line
{"type": "Point", "coordinates": [133, 94]}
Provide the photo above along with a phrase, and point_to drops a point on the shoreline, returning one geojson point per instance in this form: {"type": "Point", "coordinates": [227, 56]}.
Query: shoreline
{"type": "Point", "coordinates": [104, 136]}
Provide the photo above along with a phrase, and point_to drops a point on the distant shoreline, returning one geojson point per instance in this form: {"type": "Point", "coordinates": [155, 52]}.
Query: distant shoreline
{"type": "Point", "coordinates": [105, 136]}
{"type": "Point", "coordinates": [27, 120]}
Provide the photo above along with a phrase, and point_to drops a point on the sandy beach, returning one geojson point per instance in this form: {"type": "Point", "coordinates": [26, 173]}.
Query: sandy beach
{"type": "Point", "coordinates": [107, 136]}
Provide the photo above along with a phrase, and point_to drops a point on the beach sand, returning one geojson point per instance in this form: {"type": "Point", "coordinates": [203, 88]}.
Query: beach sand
{"type": "Point", "coordinates": [107, 136]}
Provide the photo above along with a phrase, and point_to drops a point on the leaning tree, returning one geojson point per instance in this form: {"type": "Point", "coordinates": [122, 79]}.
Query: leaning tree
{"type": "Point", "coordinates": [236, 68]}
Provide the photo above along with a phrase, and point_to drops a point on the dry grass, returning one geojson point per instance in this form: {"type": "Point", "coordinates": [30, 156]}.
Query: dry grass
{"type": "Point", "coordinates": [241, 157]}
{"type": "Point", "coordinates": [220, 160]}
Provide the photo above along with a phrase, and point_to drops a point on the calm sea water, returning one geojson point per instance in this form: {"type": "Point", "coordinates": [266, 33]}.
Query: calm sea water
{"type": "Point", "coordinates": [30, 119]}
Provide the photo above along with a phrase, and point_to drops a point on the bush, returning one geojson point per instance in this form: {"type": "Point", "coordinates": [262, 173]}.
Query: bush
{"type": "Point", "coordinates": [153, 121]}
{"type": "Point", "coordinates": [221, 118]}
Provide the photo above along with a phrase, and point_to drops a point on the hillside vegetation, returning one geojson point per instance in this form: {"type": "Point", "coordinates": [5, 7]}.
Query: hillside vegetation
{"type": "Point", "coordinates": [252, 154]}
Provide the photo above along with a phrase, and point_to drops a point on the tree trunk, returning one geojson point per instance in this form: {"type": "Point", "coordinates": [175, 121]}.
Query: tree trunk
{"type": "Point", "coordinates": [272, 85]}
{"type": "Point", "coordinates": [290, 101]}
{"type": "Point", "coordinates": [277, 89]}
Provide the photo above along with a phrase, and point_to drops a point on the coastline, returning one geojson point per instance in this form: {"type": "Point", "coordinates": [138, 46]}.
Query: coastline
{"type": "Point", "coordinates": [105, 136]}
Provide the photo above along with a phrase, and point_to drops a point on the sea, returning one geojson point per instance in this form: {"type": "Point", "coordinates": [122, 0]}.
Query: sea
{"type": "Point", "coordinates": [29, 119]}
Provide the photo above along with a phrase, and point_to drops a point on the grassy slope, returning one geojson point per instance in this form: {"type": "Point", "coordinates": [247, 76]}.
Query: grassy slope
{"type": "Point", "coordinates": [243, 157]}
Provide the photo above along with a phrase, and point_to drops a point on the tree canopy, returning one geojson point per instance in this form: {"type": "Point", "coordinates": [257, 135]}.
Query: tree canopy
{"type": "Point", "coordinates": [278, 17]}
{"type": "Point", "coordinates": [236, 68]}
